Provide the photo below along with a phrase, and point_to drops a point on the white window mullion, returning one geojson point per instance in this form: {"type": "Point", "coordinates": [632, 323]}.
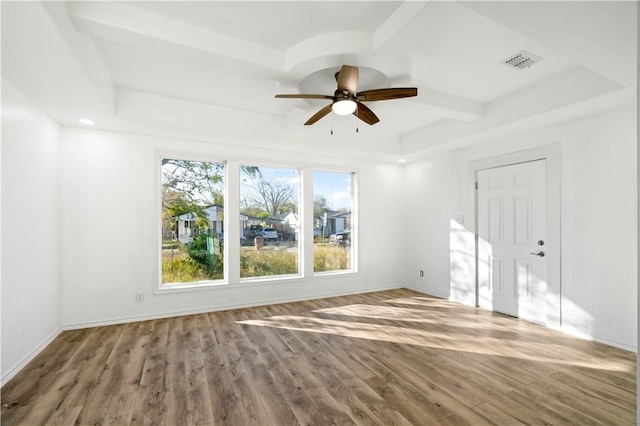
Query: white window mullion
{"type": "Point", "coordinates": [306, 222]}
{"type": "Point", "coordinates": [232, 223]}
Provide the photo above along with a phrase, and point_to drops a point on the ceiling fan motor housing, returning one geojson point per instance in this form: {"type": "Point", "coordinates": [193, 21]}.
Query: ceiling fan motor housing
{"type": "Point", "coordinates": [339, 95]}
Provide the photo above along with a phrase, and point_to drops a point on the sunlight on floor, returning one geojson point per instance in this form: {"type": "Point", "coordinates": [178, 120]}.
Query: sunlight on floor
{"type": "Point", "coordinates": [431, 329]}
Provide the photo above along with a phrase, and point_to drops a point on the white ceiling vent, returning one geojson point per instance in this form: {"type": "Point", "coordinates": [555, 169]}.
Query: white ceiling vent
{"type": "Point", "coordinates": [522, 60]}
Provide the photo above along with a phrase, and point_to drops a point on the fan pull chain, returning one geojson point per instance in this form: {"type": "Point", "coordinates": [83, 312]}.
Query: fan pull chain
{"type": "Point", "coordinates": [357, 119]}
{"type": "Point", "coordinates": [331, 124]}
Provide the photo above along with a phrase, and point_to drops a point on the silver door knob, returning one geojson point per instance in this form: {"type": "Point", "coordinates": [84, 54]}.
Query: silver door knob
{"type": "Point", "coordinates": [540, 253]}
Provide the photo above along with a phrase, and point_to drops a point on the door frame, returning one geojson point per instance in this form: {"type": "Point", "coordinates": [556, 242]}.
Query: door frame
{"type": "Point", "coordinates": [550, 153]}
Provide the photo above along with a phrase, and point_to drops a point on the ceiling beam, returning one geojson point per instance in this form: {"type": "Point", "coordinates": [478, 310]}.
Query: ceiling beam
{"type": "Point", "coordinates": [396, 21]}
{"type": "Point", "coordinates": [448, 105]}
{"type": "Point", "coordinates": [119, 22]}
{"type": "Point", "coordinates": [55, 67]}
{"type": "Point", "coordinates": [571, 88]}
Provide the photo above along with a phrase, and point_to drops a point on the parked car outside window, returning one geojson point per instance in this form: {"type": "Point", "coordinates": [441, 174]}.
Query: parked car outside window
{"type": "Point", "coordinates": [254, 231]}
{"type": "Point", "coordinates": [269, 234]}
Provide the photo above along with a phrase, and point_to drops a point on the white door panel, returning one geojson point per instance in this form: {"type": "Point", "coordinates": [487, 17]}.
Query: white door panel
{"type": "Point", "coordinates": [511, 221]}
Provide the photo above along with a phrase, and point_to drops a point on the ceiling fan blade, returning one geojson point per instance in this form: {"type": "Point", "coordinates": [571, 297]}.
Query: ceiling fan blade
{"type": "Point", "coordinates": [318, 115]}
{"type": "Point", "coordinates": [365, 114]}
{"type": "Point", "coordinates": [304, 96]}
{"type": "Point", "coordinates": [386, 94]}
{"type": "Point", "coordinates": [348, 78]}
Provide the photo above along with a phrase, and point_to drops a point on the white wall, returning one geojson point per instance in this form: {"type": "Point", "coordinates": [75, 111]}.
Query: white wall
{"type": "Point", "coordinates": [433, 198]}
{"type": "Point", "coordinates": [83, 204]}
{"type": "Point", "coordinates": [109, 235]}
{"type": "Point", "coordinates": [598, 218]}
{"type": "Point", "coordinates": [30, 238]}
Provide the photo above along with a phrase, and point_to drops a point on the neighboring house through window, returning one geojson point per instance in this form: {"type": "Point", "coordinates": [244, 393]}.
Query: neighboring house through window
{"type": "Point", "coordinates": [269, 222]}
{"type": "Point", "coordinates": [333, 205]}
{"type": "Point", "coordinates": [192, 221]}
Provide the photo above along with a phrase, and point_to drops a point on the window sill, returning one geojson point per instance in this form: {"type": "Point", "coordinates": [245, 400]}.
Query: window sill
{"type": "Point", "coordinates": [326, 274]}
{"type": "Point", "coordinates": [249, 282]}
{"type": "Point", "coordinates": [200, 285]}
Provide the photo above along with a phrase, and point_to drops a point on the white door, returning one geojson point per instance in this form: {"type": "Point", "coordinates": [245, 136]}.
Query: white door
{"type": "Point", "coordinates": [512, 272]}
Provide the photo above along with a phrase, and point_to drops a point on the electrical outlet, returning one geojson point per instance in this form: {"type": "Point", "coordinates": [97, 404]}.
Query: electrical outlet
{"type": "Point", "coordinates": [421, 274]}
{"type": "Point", "coordinates": [139, 297]}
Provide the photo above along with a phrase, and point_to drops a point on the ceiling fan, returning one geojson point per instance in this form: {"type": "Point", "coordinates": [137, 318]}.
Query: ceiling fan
{"type": "Point", "coordinates": [346, 100]}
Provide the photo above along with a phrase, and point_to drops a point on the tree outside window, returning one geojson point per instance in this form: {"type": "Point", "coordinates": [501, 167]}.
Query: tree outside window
{"type": "Point", "coordinates": [193, 215]}
{"type": "Point", "coordinates": [192, 221]}
{"type": "Point", "coordinates": [269, 200]}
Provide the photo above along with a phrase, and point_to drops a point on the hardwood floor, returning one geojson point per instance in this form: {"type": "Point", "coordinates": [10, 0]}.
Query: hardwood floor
{"type": "Point", "coordinates": [388, 358]}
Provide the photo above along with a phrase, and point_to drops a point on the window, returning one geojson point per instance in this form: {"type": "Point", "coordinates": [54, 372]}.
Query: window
{"type": "Point", "coordinates": [267, 214]}
{"type": "Point", "coordinates": [332, 211]}
{"type": "Point", "coordinates": [269, 200]}
{"type": "Point", "coordinates": [192, 221]}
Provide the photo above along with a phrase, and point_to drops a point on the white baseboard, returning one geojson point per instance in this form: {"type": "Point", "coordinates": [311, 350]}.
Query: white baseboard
{"type": "Point", "coordinates": [414, 288]}
{"type": "Point", "coordinates": [573, 332]}
{"type": "Point", "coordinates": [76, 326]}
{"type": "Point", "coordinates": [30, 356]}
{"type": "Point", "coordinates": [428, 293]}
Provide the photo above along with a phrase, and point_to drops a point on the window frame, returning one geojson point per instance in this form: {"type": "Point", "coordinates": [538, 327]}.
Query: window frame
{"type": "Point", "coordinates": [354, 224]}
{"type": "Point", "coordinates": [232, 177]}
{"type": "Point", "coordinates": [161, 288]}
{"type": "Point", "coordinates": [300, 195]}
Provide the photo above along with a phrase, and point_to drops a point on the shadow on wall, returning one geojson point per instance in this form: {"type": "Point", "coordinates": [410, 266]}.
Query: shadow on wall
{"type": "Point", "coordinates": [575, 319]}
{"type": "Point", "coordinates": [462, 264]}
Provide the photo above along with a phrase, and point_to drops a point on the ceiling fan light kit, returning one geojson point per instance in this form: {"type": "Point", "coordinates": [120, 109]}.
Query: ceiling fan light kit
{"type": "Point", "coordinates": [347, 101]}
{"type": "Point", "coordinates": [344, 107]}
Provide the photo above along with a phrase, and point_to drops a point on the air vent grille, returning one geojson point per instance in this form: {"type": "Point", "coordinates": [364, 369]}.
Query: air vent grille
{"type": "Point", "coordinates": [522, 60]}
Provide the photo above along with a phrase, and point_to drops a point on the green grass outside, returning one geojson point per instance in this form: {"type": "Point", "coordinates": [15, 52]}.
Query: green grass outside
{"type": "Point", "coordinates": [267, 262]}
{"type": "Point", "coordinates": [330, 258]}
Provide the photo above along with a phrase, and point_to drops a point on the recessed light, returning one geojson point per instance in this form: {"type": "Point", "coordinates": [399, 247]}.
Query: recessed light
{"type": "Point", "coordinates": [86, 121]}
{"type": "Point", "coordinates": [402, 160]}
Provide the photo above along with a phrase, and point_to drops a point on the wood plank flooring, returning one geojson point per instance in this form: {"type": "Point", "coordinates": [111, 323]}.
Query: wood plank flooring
{"type": "Point", "coordinates": [388, 358]}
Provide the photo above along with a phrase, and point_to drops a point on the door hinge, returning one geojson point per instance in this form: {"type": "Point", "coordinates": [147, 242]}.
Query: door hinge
{"type": "Point", "coordinates": [476, 185]}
